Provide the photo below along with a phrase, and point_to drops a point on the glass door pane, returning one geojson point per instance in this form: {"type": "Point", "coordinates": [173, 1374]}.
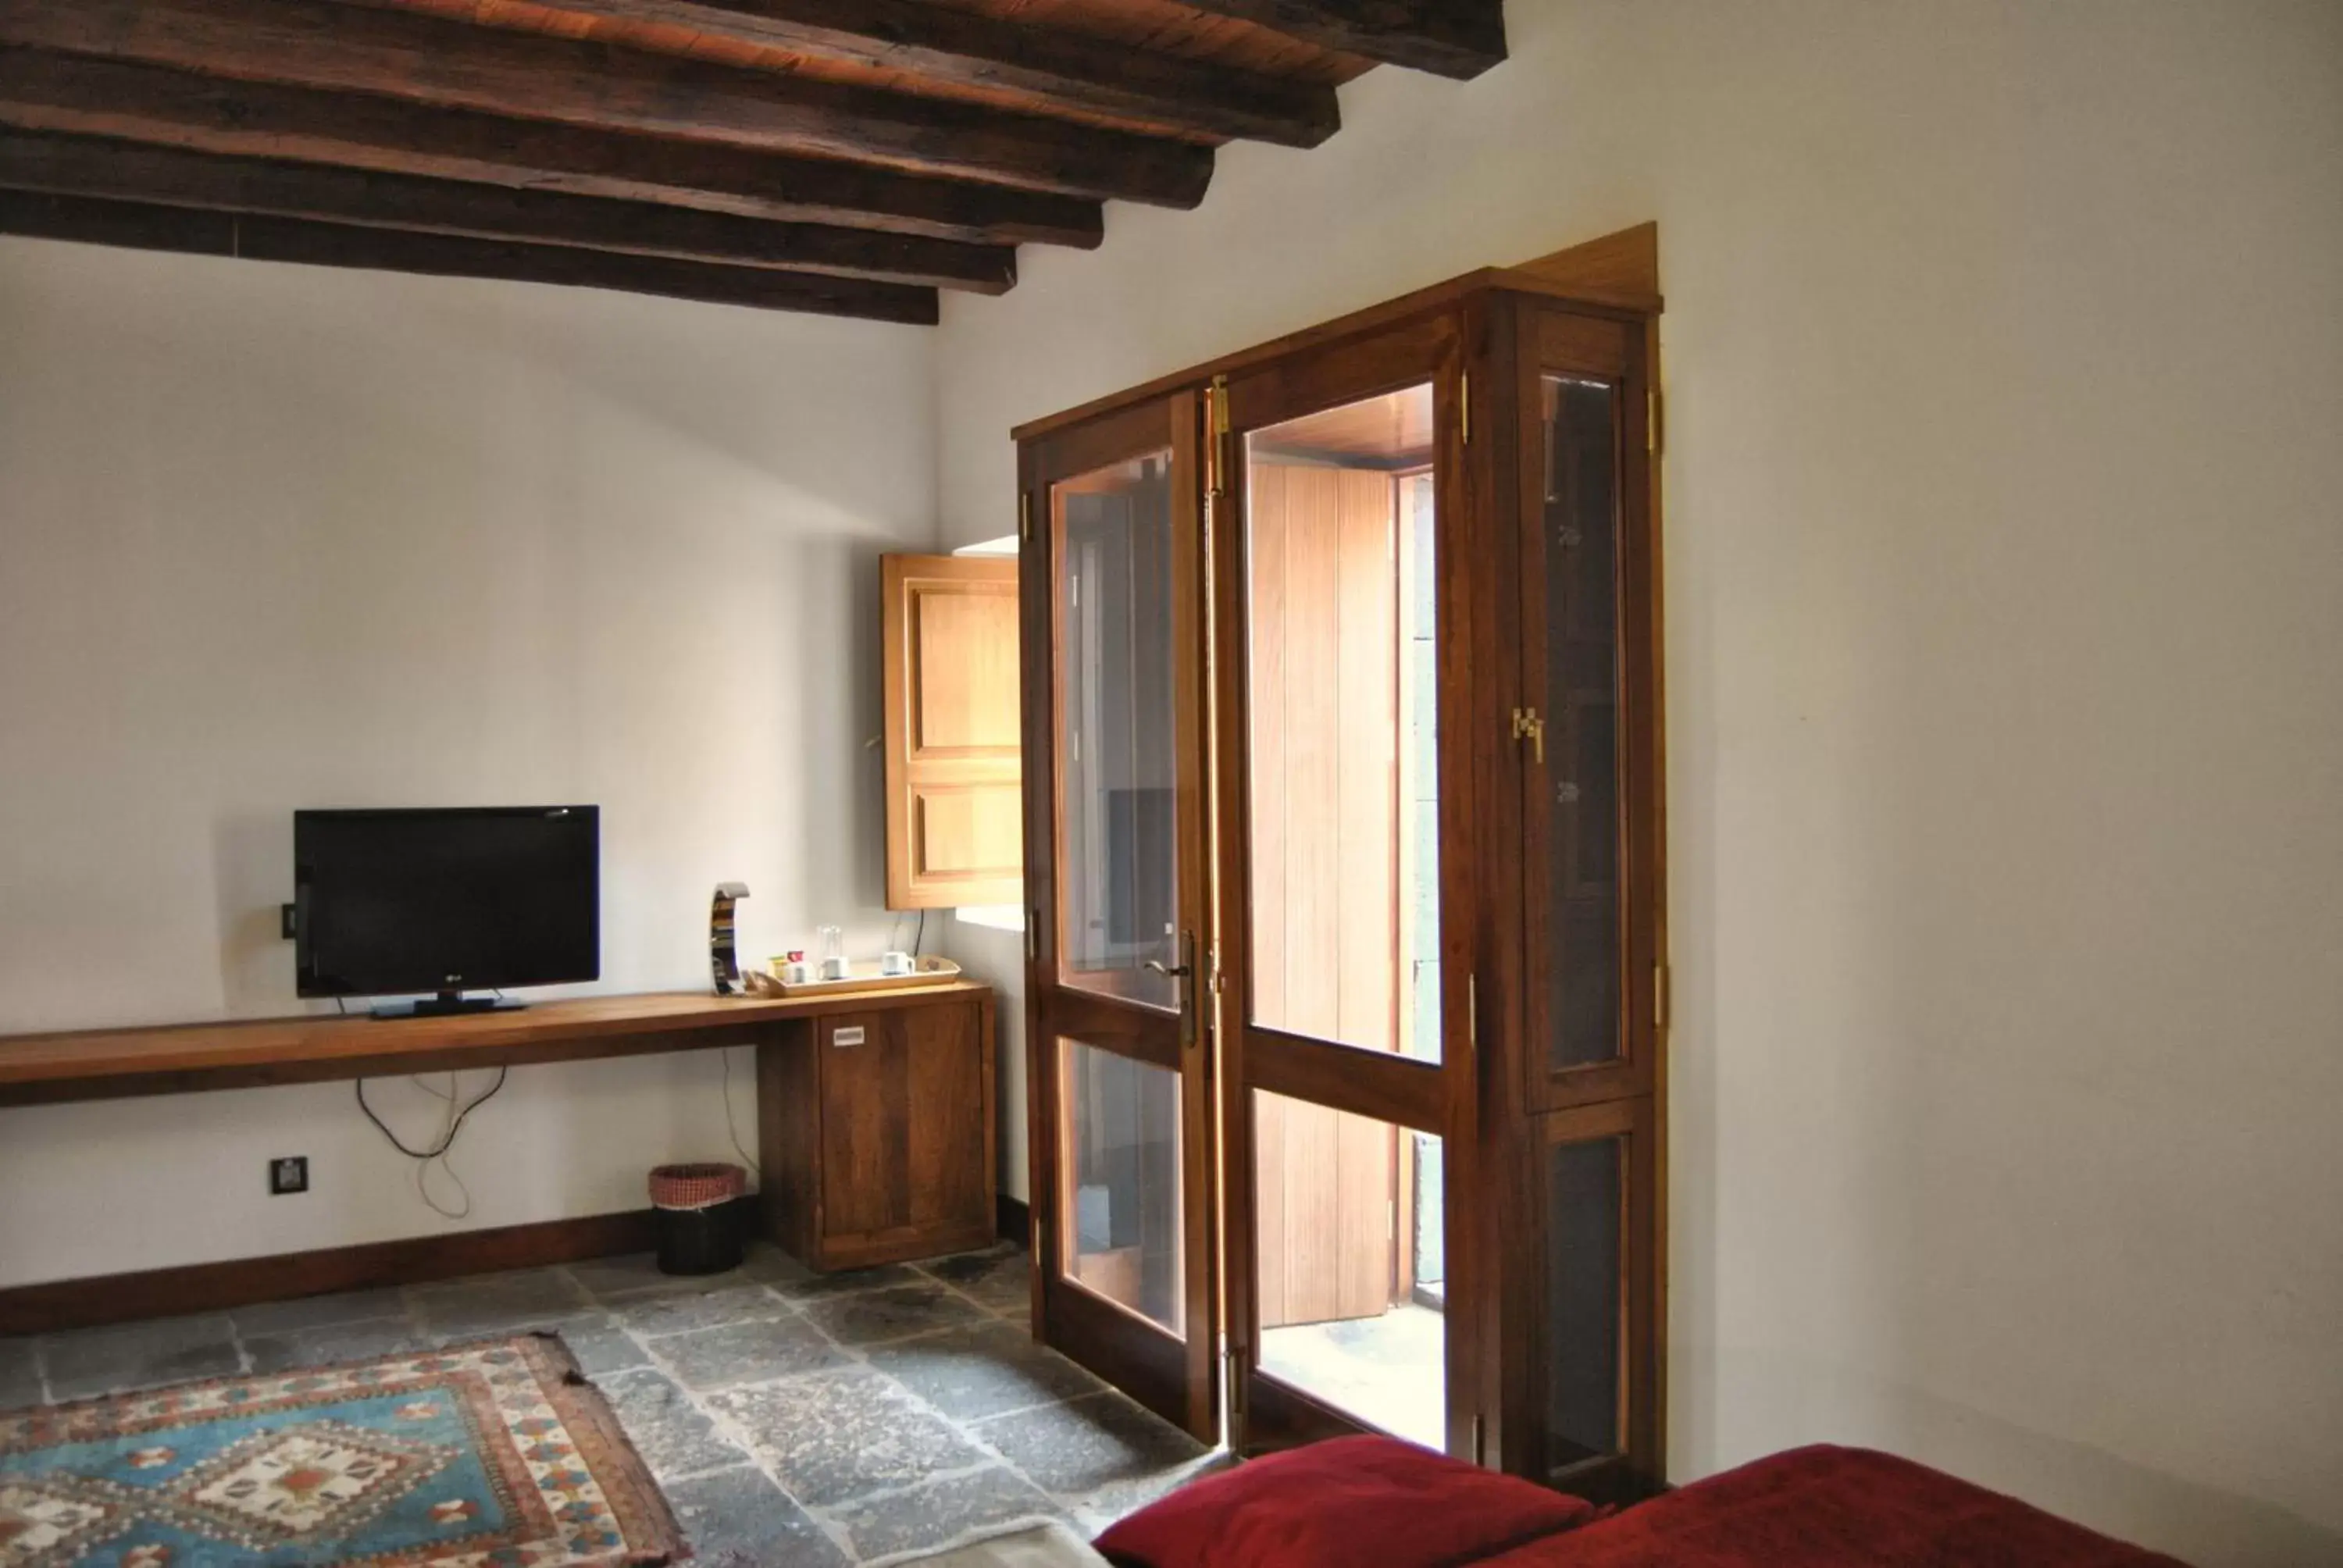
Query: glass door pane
{"type": "Point", "coordinates": [1580, 522]}
{"type": "Point", "coordinates": [1340, 682]}
{"type": "Point", "coordinates": [1348, 1274]}
{"type": "Point", "coordinates": [1118, 764]}
{"type": "Point", "coordinates": [1585, 1274]}
{"type": "Point", "coordinates": [1121, 1178]}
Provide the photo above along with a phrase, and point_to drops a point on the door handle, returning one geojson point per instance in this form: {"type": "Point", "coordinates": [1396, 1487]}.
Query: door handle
{"type": "Point", "coordinates": [1183, 972]}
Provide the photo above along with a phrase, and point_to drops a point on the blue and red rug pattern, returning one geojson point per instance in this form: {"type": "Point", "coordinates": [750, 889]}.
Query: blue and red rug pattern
{"type": "Point", "coordinates": [491, 1455]}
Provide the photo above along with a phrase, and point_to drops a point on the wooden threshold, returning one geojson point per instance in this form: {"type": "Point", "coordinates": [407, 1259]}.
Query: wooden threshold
{"type": "Point", "coordinates": [63, 1305]}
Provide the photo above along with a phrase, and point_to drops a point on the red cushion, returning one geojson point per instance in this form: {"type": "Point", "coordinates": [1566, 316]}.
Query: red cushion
{"type": "Point", "coordinates": [1832, 1508]}
{"type": "Point", "coordinates": [1339, 1504]}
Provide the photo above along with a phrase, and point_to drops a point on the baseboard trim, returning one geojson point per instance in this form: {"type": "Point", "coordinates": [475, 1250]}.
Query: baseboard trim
{"type": "Point", "coordinates": [241, 1281]}
{"type": "Point", "coordinates": [1016, 1219]}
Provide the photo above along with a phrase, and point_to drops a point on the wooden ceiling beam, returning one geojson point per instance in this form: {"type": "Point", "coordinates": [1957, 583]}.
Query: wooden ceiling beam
{"type": "Point", "coordinates": [970, 50]}
{"type": "Point", "coordinates": [125, 171]}
{"type": "Point", "coordinates": [1458, 38]}
{"type": "Point", "coordinates": [200, 232]}
{"type": "Point", "coordinates": [143, 103]}
{"type": "Point", "coordinates": [456, 65]}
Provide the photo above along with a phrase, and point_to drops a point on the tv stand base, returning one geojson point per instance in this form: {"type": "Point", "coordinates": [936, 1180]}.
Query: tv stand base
{"type": "Point", "coordinates": [446, 1003]}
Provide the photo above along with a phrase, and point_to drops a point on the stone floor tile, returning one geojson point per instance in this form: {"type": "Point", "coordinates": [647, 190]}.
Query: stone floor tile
{"type": "Point", "coordinates": [767, 1264]}
{"type": "Point", "coordinates": [89, 1361]}
{"type": "Point", "coordinates": [986, 1370]}
{"type": "Point", "coordinates": [493, 1303]}
{"type": "Point", "coordinates": [676, 1312]}
{"type": "Point", "coordinates": [895, 1312]}
{"type": "Point", "coordinates": [814, 1287]}
{"type": "Point", "coordinates": [674, 1436]}
{"type": "Point", "coordinates": [600, 1343]}
{"type": "Point", "coordinates": [1097, 1509]}
{"type": "Point", "coordinates": [637, 1273]}
{"type": "Point", "coordinates": [1081, 1447]}
{"type": "Point", "coordinates": [747, 1352]}
{"type": "Point", "coordinates": [927, 1515]}
{"type": "Point", "coordinates": [739, 1518]}
{"type": "Point", "coordinates": [1000, 1278]}
{"type": "Point", "coordinates": [20, 1374]}
{"type": "Point", "coordinates": [838, 1436]}
{"type": "Point", "coordinates": [264, 1317]}
{"type": "Point", "coordinates": [332, 1344]}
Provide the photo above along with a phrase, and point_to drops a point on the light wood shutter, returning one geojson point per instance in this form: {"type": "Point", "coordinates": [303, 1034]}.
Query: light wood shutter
{"type": "Point", "coordinates": [953, 833]}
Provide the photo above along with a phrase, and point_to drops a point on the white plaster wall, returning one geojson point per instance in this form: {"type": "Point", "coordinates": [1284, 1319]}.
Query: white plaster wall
{"type": "Point", "coordinates": [274, 537]}
{"type": "Point", "coordinates": [2005, 559]}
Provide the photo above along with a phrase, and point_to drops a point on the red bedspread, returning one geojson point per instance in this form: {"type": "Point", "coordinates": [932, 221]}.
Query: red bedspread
{"type": "Point", "coordinates": [1831, 1508]}
{"type": "Point", "coordinates": [1374, 1503]}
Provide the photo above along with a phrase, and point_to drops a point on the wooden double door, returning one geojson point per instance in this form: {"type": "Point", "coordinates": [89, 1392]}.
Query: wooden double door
{"type": "Point", "coordinates": [1275, 680]}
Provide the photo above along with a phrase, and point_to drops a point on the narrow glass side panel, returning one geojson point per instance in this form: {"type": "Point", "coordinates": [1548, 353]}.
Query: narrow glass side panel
{"type": "Point", "coordinates": [1583, 1270]}
{"type": "Point", "coordinates": [1341, 665]}
{"type": "Point", "coordinates": [1349, 1264]}
{"type": "Point", "coordinates": [1117, 768]}
{"type": "Point", "coordinates": [1121, 1171]}
{"type": "Point", "coordinates": [1581, 683]}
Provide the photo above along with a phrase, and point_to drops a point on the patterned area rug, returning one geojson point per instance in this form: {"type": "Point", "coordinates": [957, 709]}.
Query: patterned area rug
{"type": "Point", "coordinates": [491, 1456]}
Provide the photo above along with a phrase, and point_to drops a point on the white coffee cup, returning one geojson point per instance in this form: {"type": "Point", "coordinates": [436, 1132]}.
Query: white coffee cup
{"type": "Point", "coordinates": [895, 962]}
{"type": "Point", "coordinates": [837, 968]}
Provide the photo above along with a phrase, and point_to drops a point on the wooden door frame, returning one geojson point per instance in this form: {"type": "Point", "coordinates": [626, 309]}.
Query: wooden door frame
{"type": "Point", "coordinates": [1173, 1374]}
{"type": "Point", "coordinates": [1427, 348]}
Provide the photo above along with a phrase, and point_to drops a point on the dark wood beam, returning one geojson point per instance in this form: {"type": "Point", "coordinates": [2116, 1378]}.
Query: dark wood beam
{"type": "Point", "coordinates": [125, 171]}
{"type": "Point", "coordinates": [142, 103]}
{"type": "Point", "coordinates": [454, 64]}
{"type": "Point", "coordinates": [970, 50]}
{"type": "Point", "coordinates": [1459, 38]}
{"type": "Point", "coordinates": [202, 232]}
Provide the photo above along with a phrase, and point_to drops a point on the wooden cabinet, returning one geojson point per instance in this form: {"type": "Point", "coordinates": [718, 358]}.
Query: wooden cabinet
{"type": "Point", "coordinates": [952, 768]}
{"type": "Point", "coordinates": [876, 1132]}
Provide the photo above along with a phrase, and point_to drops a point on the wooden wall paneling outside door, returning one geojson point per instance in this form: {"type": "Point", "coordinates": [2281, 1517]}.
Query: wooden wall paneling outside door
{"type": "Point", "coordinates": [1120, 1094]}
{"type": "Point", "coordinates": [1324, 620]}
{"type": "Point", "coordinates": [951, 717]}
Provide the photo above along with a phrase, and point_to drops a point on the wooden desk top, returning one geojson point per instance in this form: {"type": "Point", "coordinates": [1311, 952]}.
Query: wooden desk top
{"type": "Point", "coordinates": [109, 1063]}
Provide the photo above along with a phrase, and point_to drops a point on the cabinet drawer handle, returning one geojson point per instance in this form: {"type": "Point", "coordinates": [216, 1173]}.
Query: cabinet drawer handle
{"type": "Point", "coordinates": [847, 1036]}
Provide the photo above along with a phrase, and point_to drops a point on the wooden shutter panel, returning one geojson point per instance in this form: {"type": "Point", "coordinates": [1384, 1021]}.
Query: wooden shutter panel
{"type": "Point", "coordinates": [953, 803]}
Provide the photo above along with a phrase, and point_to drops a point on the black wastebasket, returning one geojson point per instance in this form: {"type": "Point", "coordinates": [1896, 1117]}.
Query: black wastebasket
{"type": "Point", "coordinates": [699, 1217]}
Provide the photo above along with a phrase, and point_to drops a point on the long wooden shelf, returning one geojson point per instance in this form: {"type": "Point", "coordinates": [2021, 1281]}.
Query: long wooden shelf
{"type": "Point", "coordinates": [112, 1063]}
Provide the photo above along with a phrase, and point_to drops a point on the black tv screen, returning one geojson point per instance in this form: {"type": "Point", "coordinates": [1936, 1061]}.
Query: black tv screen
{"type": "Point", "coordinates": [392, 902]}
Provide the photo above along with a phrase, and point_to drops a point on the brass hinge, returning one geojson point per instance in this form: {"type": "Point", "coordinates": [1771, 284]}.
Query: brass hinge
{"type": "Point", "coordinates": [1528, 726]}
{"type": "Point", "coordinates": [1032, 935]}
{"type": "Point", "coordinates": [1652, 440]}
{"type": "Point", "coordinates": [1465, 409]}
{"type": "Point", "coordinates": [1025, 515]}
{"type": "Point", "coordinates": [1661, 1000]}
{"type": "Point", "coordinates": [1472, 1011]}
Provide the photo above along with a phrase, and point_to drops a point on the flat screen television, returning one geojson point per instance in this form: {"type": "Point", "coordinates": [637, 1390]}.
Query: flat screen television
{"type": "Point", "coordinates": [396, 902]}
